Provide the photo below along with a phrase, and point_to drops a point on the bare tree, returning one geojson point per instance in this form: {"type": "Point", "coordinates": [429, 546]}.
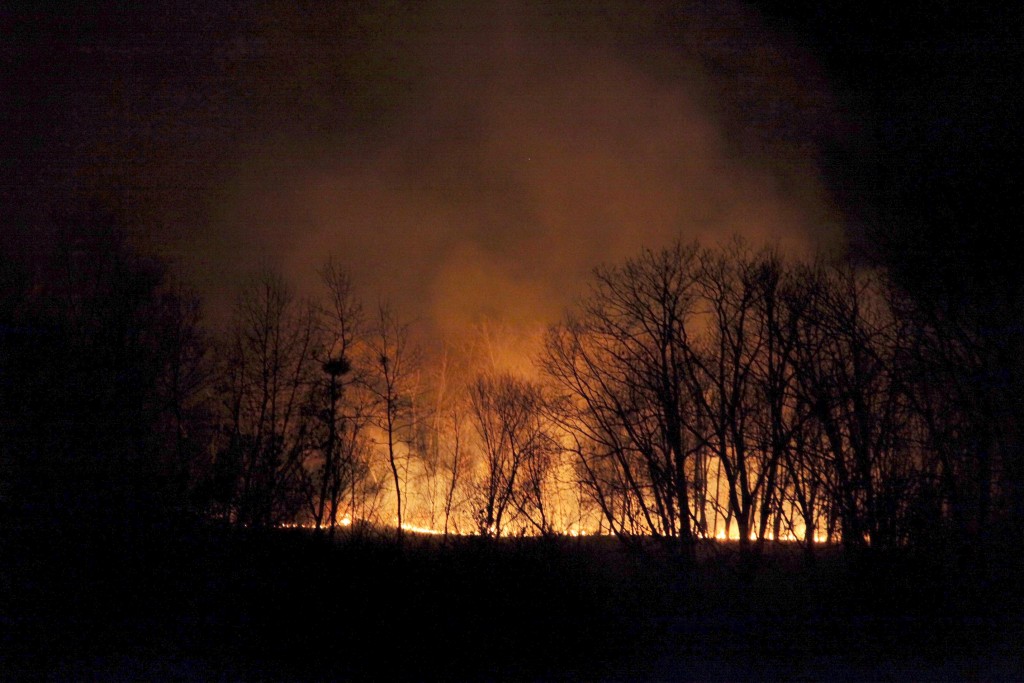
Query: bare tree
{"type": "Point", "coordinates": [721, 379]}
{"type": "Point", "coordinates": [623, 371]}
{"type": "Point", "coordinates": [337, 403]}
{"type": "Point", "coordinates": [268, 373]}
{"type": "Point", "coordinates": [442, 453]}
{"type": "Point", "coordinates": [516, 449]}
{"type": "Point", "coordinates": [184, 388]}
{"type": "Point", "coordinates": [393, 364]}
{"type": "Point", "coordinates": [851, 377]}
{"type": "Point", "coordinates": [456, 464]}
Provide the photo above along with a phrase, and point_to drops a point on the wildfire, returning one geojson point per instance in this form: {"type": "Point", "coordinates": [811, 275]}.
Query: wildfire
{"type": "Point", "coordinates": [788, 536]}
{"type": "Point", "coordinates": [421, 529]}
{"type": "Point", "coordinates": [732, 534]}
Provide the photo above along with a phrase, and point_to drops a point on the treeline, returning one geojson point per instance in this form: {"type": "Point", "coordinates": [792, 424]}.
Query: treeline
{"type": "Point", "coordinates": [808, 401]}
{"type": "Point", "coordinates": [693, 392]}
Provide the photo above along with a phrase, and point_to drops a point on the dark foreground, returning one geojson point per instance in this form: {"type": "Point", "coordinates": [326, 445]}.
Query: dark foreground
{"type": "Point", "coordinates": [201, 603]}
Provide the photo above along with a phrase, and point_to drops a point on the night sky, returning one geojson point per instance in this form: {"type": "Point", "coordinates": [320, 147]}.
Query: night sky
{"type": "Point", "coordinates": [475, 160]}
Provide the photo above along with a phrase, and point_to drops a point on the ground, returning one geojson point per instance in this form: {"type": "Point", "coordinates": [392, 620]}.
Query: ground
{"type": "Point", "coordinates": [206, 603]}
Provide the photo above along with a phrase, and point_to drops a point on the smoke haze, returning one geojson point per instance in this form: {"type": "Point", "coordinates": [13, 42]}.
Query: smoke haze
{"type": "Point", "coordinates": [468, 161]}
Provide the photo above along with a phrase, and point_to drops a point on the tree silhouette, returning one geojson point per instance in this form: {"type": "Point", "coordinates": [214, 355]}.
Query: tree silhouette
{"type": "Point", "coordinates": [624, 373]}
{"type": "Point", "coordinates": [337, 402]}
{"type": "Point", "coordinates": [267, 374]}
{"type": "Point", "coordinates": [517, 449]}
{"type": "Point", "coordinates": [393, 363]}
{"type": "Point", "coordinates": [103, 369]}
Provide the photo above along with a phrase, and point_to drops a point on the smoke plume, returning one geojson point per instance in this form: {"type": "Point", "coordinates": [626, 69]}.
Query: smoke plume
{"type": "Point", "coordinates": [468, 161]}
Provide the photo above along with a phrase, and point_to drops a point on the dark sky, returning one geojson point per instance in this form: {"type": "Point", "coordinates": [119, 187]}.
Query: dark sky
{"type": "Point", "coordinates": [937, 86]}
{"type": "Point", "coordinates": [476, 159]}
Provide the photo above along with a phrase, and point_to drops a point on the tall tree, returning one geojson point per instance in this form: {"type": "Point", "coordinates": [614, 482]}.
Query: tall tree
{"type": "Point", "coordinates": [851, 376]}
{"type": "Point", "coordinates": [623, 373]}
{"type": "Point", "coordinates": [268, 372]}
{"type": "Point", "coordinates": [517, 449]}
{"type": "Point", "coordinates": [337, 401]}
{"type": "Point", "coordinates": [394, 362]}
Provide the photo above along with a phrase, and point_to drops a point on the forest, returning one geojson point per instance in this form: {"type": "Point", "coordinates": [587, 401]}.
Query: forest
{"type": "Point", "coordinates": [726, 420]}
{"type": "Point", "coordinates": [693, 393]}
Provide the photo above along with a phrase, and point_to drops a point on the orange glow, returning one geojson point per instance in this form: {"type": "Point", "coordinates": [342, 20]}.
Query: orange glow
{"type": "Point", "coordinates": [819, 537]}
{"type": "Point", "coordinates": [420, 529]}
